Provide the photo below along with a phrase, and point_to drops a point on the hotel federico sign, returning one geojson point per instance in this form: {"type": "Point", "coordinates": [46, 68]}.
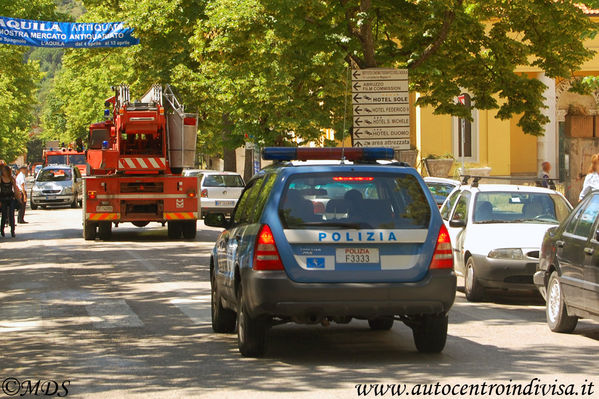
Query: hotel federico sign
{"type": "Point", "coordinates": [381, 108]}
{"type": "Point", "coordinates": [25, 32]}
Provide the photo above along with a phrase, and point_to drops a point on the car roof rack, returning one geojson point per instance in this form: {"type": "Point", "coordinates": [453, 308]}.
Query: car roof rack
{"type": "Point", "coordinates": [476, 179]}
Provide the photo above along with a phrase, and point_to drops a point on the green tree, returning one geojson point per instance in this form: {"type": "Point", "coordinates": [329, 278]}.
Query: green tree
{"type": "Point", "coordinates": [255, 53]}
{"type": "Point", "coordinates": [18, 81]}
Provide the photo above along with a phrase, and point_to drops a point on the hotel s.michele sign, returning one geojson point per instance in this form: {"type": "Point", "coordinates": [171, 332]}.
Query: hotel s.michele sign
{"type": "Point", "coordinates": [25, 32]}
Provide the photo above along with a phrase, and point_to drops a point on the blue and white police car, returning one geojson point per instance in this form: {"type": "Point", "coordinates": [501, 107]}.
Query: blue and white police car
{"type": "Point", "coordinates": [331, 242]}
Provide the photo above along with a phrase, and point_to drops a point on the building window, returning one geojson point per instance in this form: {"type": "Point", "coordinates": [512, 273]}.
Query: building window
{"type": "Point", "coordinates": [470, 136]}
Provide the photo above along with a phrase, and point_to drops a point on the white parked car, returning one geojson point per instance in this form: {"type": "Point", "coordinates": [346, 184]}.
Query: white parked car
{"type": "Point", "coordinates": [440, 188]}
{"type": "Point", "coordinates": [219, 191]}
{"type": "Point", "coordinates": [496, 232]}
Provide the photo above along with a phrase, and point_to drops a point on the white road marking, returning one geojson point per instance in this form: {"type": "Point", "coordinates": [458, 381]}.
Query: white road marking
{"type": "Point", "coordinates": [112, 313]}
{"type": "Point", "coordinates": [25, 316]}
{"type": "Point", "coordinates": [197, 308]}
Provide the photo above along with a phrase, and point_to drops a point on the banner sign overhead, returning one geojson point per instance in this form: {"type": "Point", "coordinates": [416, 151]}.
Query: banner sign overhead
{"type": "Point", "coordinates": [25, 32]}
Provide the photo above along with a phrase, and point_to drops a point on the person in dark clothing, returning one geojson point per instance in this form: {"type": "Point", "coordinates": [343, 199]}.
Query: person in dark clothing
{"type": "Point", "coordinates": [9, 193]}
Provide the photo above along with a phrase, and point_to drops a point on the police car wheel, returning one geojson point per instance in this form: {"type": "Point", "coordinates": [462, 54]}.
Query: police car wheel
{"type": "Point", "coordinates": [380, 323]}
{"type": "Point", "coordinates": [251, 331]}
{"type": "Point", "coordinates": [223, 320]}
{"type": "Point", "coordinates": [32, 205]}
{"type": "Point", "coordinates": [75, 202]}
{"type": "Point", "coordinates": [472, 288]}
{"type": "Point", "coordinates": [430, 334]}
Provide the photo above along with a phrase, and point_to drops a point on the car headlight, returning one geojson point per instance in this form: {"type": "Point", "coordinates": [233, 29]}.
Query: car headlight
{"type": "Point", "coordinates": [67, 190]}
{"type": "Point", "coordinates": [506, 253]}
{"type": "Point", "coordinates": [36, 189]}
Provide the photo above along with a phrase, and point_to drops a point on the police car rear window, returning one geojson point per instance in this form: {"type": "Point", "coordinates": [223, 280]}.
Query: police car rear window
{"type": "Point", "coordinates": [361, 201]}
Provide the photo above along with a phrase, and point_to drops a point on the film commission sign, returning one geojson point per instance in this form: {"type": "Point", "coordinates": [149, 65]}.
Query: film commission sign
{"type": "Point", "coordinates": [381, 108]}
{"type": "Point", "coordinates": [25, 32]}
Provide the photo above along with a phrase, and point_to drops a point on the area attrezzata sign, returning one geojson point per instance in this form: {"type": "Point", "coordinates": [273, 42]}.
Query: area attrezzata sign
{"type": "Point", "coordinates": [25, 32]}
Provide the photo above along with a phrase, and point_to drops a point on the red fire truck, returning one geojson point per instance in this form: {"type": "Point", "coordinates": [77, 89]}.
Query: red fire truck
{"type": "Point", "coordinates": [135, 160]}
{"type": "Point", "coordinates": [66, 157]}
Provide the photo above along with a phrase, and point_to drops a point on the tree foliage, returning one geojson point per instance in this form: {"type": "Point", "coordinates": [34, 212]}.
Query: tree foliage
{"type": "Point", "coordinates": [18, 81]}
{"type": "Point", "coordinates": [273, 71]}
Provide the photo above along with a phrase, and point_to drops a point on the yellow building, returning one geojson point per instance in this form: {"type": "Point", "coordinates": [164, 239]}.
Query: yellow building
{"type": "Point", "coordinates": [501, 145]}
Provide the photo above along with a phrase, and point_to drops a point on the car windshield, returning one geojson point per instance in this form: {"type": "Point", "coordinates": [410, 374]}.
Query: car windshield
{"type": "Point", "coordinates": [440, 191]}
{"type": "Point", "coordinates": [56, 159]}
{"type": "Point", "coordinates": [54, 175]}
{"type": "Point", "coordinates": [223, 181]}
{"type": "Point", "coordinates": [78, 159]}
{"type": "Point", "coordinates": [519, 207]}
{"type": "Point", "coordinates": [344, 200]}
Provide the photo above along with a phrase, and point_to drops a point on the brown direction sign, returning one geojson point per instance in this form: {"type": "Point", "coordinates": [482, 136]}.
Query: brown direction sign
{"type": "Point", "coordinates": [381, 108]}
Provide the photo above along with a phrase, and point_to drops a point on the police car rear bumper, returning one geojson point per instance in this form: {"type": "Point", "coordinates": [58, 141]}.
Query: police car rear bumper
{"type": "Point", "coordinates": [272, 293]}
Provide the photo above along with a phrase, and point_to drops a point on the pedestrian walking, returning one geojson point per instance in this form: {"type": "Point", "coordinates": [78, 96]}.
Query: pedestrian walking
{"type": "Point", "coordinates": [21, 185]}
{"type": "Point", "coordinates": [9, 193]}
{"type": "Point", "coordinates": [591, 181]}
{"type": "Point", "coordinates": [544, 179]}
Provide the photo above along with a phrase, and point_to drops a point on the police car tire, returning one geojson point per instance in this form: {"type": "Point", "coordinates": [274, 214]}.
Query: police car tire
{"type": "Point", "coordinates": [174, 230]}
{"type": "Point", "coordinates": [32, 205]}
{"type": "Point", "coordinates": [380, 323]}
{"type": "Point", "coordinates": [189, 229]}
{"type": "Point", "coordinates": [430, 334]}
{"type": "Point", "coordinates": [89, 231]}
{"type": "Point", "coordinates": [251, 331]}
{"type": "Point", "coordinates": [75, 202]}
{"type": "Point", "coordinates": [105, 230]}
{"type": "Point", "coordinates": [223, 320]}
{"type": "Point", "coordinates": [473, 290]}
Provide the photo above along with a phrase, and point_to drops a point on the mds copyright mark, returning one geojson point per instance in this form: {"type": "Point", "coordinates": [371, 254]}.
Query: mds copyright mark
{"type": "Point", "coordinates": [13, 387]}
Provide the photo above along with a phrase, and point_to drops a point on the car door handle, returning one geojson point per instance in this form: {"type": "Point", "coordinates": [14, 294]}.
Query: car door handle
{"type": "Point", "coordinates": [559, 243]}
{"type": "Point", "coordinates": [589, 251]}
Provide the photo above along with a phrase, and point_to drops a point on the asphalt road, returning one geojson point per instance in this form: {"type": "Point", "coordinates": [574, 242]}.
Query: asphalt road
{"type": "Point", "coordinates": [131, 318]}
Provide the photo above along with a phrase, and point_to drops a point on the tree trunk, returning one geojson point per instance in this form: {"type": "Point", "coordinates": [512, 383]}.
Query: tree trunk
{"type": "Point", "coordinates": [366, 37]}
{"type": "Point", "coordinates": [229, 156]}
{"type": "Point", "coordinates": [248, 168]}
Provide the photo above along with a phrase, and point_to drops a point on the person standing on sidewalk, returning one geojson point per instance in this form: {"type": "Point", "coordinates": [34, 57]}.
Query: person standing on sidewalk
{"type": "Point", "coordinates": [9, 192]}
{"type": "Point", "coordinates": [21, 184]}
{"type": "Point", "coordinates": [591, 181]}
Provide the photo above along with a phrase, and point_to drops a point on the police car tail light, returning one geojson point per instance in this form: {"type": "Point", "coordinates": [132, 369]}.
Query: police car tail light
{"type": "Point", "coordinates": [266, 255]}
{"type": "Point", "coordinates": [443, 256]}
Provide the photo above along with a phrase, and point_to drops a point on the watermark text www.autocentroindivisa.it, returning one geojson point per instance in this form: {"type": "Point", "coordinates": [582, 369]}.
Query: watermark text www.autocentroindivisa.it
{"type": "Point", "coordinates": [534, 387]}
{"type": "Point", "coordinates": [34, 387]}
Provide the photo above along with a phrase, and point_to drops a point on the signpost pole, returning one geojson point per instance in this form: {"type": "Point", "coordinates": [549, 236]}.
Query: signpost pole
{"type": "Point", "coordinates": [463, 142]}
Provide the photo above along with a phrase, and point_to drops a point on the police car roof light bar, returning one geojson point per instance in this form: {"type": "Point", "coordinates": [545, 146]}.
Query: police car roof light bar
{"type": "Point", "coordinates": [304, 154]}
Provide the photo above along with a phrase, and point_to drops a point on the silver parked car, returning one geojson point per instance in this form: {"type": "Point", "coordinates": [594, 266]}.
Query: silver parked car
{"type": "Point", "coordinates": [219, 191]}
{"type": "Point", "coordinates": [57, 185]}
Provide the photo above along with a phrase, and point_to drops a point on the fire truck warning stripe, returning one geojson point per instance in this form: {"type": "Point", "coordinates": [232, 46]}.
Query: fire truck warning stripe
{"type": "Point", "coordinates": [142, 163]}
{"type": "Point", "coordinates": [180, 215]}
{"type": "Point", "coordinates": [140, 196]}
{"type": "Point", "coordinates": [103, 216]}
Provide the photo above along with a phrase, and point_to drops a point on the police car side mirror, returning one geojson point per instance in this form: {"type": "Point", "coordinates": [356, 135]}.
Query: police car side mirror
{"type": "Point", "coordinates": [457, 223]}
{"type": "Point", "coordinates": [216, 220]}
